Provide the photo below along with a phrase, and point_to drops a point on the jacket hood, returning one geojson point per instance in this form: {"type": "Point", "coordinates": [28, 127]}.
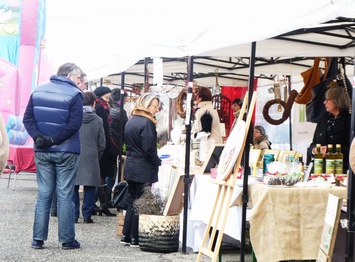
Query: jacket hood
{"type": "Point", "coordinates": [89, 114]}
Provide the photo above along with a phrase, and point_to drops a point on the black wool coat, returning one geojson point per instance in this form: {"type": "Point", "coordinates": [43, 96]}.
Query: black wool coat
{"type": "Point", "coordinates": [142, 162]}
{"type": "Point", "coordinates": [334, 131]}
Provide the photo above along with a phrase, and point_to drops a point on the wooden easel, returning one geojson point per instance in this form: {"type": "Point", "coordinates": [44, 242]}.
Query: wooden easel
{"type": "Point", "coordinates": [218, 218]}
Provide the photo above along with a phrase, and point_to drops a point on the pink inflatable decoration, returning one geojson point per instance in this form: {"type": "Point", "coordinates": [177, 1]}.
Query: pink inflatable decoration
{"type": "Point", "coordinates": [22, 25]}
{"type": "Point", "coordinates": [9, 88]}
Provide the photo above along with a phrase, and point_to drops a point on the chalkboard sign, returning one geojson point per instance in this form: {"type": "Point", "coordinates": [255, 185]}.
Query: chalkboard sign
{"type": "Point", "coordinates": [212, 158]}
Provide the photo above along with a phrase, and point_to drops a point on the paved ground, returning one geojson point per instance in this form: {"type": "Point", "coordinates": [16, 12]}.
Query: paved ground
{"type": "Point", "coordinates": [99, 240]}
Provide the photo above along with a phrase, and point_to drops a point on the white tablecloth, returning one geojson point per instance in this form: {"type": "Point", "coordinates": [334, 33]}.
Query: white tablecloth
{"type": "Point", "coordinates": [202, 196]}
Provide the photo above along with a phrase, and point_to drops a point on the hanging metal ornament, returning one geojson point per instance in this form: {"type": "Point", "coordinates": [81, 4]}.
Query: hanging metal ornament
{"type": "Point", "coordinates": [216, 89]}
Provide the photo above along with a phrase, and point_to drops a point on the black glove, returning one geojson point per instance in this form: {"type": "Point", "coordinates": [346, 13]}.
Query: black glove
{"type": "Point", "coordinates": [43, 142]}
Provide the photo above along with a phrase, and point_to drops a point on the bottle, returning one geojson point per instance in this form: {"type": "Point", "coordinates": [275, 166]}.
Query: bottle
{"type": "Point", "coordinates": [318, 161]}
{"type": "Point", "coordinates": [329, 160]}
{"type": "Point", "coordinates": [338, 160]}
{"type": "Point", "coordinates": [301, 166]}
{"type": "Point", "coordinates": [300, 163]}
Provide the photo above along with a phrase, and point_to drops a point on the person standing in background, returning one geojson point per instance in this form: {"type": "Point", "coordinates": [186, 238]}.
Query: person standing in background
{"type": "Point", "coordinates": [207, 119]}
{"type": "Point", "coordinates": [142, 163]}
{"type": "Point", "coordinates": [261, 139]}
{"type": "Point", "coordinates": [107, 160]}
{"type": "Point", "coordinates": [119, 120]}
{"type": "Point", "coordinates": [83, 82]}
{"type": "Point", "coordinates": [92, 144]}
{"type": "Point", "coordinates": [53, 118]}
{"type": "Point", "coordinates": [236, 106]}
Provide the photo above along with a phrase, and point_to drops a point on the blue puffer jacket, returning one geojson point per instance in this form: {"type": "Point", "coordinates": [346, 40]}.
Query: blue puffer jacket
{"type": "Point", "coordinates": [142, 163]}
{"type": "Point", "coordinates": [55, 109]}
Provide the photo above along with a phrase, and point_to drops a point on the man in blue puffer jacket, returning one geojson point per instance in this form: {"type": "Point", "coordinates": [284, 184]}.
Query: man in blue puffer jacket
{"type": "Point", "coordinates": [53, 118]}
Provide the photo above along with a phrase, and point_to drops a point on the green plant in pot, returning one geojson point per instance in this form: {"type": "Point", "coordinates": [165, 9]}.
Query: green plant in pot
{"type": "Point", "coordinates": [157, 233]}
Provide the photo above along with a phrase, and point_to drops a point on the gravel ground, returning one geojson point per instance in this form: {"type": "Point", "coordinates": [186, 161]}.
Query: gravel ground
{"type": "Point", "coordinates": [99, 240]}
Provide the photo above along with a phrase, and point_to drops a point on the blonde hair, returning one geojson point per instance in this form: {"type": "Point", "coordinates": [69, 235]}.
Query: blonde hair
{"type": "Point", "coordinates": [144, 101]}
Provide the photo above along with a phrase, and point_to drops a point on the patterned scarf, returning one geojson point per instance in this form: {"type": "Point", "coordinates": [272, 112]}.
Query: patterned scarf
{"type": "Point", "coordinates": [106, 107]}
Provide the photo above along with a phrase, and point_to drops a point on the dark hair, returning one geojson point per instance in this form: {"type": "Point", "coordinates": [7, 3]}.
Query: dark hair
{"type": "Point", "coordinates": [89, 98]}
{"type": "Point", "coordinates": [204, 93]}
{"type": "Point", "coordinates": [68, 68]}
{"type": "Point", "coordinates": [261, 130]}
{"type": "Point", "coordinates": [116, 94]}
{"type": "Point", "coordinates": [238, 101]}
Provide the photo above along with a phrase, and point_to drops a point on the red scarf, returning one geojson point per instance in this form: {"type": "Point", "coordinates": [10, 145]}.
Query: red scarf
{"type": "Point", "coordinates": [106, 107]}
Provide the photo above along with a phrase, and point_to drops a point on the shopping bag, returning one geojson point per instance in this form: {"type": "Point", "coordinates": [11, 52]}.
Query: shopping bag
{"type": "Point", "coordinates": [311, 77]}
{"type": "Point", "coordinates": [120, 196]}
{"type": "Point", "coordinates": [315, 109]}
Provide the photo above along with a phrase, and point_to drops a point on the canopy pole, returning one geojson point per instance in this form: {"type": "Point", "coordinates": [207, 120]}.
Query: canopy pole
{"type": "Point", "coordinates": [349, 252]}
{"type": "Point", "coordinates": [187, 180]}
{"type": "Point", "coordinates": [249, 140]}
{"type": "Point", "coordinates": [288, 79]}
{"type": "Point", "coordinates": [146, 75]}
{"type": "Point", "coordinates": [120, 142]}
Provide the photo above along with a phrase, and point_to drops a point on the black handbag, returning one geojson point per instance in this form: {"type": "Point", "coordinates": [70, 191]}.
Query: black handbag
{"type": "Point", "coordinates": [315, 109]}
{"type": "Point", "coordinates": [120, 196]}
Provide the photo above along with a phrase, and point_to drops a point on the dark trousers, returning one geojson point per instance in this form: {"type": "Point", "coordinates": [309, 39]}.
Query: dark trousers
{"type": "Point", "coordinates": [130, 227]}
{"type": "Point", "coordinates": [110, 182]}
{"type": "Point", "coordinates": [88, 201]}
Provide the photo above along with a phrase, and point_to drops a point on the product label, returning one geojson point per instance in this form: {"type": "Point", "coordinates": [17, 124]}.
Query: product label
{"type": "Point", "coordinates": [318, 166]}
{"type": "Point", "coordinates": [338, 163]}
{"type": "Point", "coordinates": [329, 166]}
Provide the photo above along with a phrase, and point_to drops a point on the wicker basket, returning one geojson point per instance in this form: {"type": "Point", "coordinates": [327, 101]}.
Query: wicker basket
{"type": "Point", "coordinates": [159, 233]}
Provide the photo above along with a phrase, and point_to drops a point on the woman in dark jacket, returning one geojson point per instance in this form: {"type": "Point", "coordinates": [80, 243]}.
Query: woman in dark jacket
{"type": "Point", "coordinates": [334, 128]}
{"type": "Point", "coordinates": [103, 94]}
{"type": "Point", "coordinates": [142, 161]}
{"type": "Point", "coordinates": [119, 120]}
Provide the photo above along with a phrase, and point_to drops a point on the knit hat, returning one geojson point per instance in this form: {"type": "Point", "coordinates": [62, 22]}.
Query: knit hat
{"type": "Point", "coordinates": [101, 90]}
{"type": "Point", "coordinates": [238, 101]}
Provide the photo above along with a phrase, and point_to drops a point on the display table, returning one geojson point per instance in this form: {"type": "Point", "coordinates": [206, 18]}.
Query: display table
{"type": "Point", "coordinates": [286, 223]}
{"type": "Point", "coordinates": [22, 158]}
{"type": "Point", "coordinates": [202, 196]}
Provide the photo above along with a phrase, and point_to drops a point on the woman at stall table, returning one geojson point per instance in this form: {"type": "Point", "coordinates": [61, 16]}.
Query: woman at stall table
{"type": "Point", "coordinates": [261, 139]}
{"type": "Point", "coordinates": [206, 117]}
{"type": "Point", "coordinates": [334, 128]}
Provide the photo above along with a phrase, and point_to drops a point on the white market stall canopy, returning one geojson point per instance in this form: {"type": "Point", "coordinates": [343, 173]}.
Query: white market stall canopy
{"type": "Point", "coordinates": [110, 36]}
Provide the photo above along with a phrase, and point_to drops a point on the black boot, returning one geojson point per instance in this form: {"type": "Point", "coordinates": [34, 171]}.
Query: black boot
{"type": "Point", "coordinates": [106, 211]}
{"type": "Point", "coordinates": [103, 202]}
{"type": "Point", "coordinates": [96, 210]}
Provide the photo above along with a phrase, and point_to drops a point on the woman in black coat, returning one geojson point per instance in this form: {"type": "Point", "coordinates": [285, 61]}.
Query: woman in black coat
{"type": "Point", "coordinates": [119, 120]}
{"type": "Point", "coordinates": [142, 163]}
{"type": "Point", "coordinates": [103, 94]}
{"type": "Point", "coordinates": [334, 128]}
